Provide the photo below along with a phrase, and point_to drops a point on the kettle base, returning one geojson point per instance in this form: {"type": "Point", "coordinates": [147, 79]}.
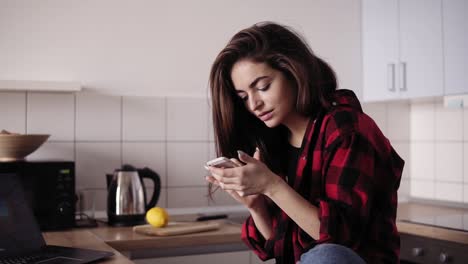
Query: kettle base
{"type": "Point", "coordinates": [125, 220]}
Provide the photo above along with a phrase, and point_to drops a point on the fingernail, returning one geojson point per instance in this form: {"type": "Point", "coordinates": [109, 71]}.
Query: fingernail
{"type": "Point", "coordinates": [240, 153]}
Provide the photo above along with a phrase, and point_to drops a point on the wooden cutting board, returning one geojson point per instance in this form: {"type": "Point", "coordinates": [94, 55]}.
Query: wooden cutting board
{"type": "Point", "coordinates": [177, 228]}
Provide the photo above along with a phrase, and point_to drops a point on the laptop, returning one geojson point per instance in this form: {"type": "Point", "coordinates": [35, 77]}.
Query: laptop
{"type": "Point", "coordinates": [21, 240]}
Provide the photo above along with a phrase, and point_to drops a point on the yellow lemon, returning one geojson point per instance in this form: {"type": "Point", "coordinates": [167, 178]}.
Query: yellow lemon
{"type": "Point", "coordinates": [157, 217]}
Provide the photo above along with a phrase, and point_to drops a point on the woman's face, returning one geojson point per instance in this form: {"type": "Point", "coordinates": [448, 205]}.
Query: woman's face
{"type": "Point", "coordinates": [266, 92]}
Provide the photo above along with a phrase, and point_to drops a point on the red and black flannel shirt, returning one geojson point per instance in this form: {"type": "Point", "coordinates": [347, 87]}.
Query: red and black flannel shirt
{"type": "Point", "coordinates": [351, 173]}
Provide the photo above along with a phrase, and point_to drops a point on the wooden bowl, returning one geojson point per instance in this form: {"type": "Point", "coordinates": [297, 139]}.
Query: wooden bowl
{"type": "Point", "coordinates": [15, 147]}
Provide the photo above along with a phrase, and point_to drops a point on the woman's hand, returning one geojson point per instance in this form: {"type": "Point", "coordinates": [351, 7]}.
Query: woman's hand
{"type": "Point", "coordinates": [253, 178]}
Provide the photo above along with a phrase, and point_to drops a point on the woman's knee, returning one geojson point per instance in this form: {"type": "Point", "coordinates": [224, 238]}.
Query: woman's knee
{"type": "Point", "coordinates": [331, 254]}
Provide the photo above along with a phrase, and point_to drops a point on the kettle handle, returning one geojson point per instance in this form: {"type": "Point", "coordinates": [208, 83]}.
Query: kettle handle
{"type": "Point", "coordinates": [150, 174]}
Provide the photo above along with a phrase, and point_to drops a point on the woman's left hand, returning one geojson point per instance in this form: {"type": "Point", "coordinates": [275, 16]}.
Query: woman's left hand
{"type": "Point", "coordinates": [252, 178]}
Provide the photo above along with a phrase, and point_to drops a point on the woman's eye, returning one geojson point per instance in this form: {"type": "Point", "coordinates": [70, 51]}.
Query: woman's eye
{"type": "Point", "coordinates": [264, 88]}
{"type": "Point", "coordinates": [243, 98]}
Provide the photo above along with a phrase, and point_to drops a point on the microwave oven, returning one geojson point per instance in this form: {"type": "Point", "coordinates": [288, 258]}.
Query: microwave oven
{"type": "Point", "coordinates": [49, 187]}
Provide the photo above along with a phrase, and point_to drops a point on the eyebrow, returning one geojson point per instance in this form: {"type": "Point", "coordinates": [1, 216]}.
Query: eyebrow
{"type": "Point", "coordinates": [252, 85]}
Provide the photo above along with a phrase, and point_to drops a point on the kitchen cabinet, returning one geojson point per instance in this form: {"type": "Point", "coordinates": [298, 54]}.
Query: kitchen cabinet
{"type": "Point", "coordinates": [455, 26]}
{"type": "Point", "coordinates": [402, 49]}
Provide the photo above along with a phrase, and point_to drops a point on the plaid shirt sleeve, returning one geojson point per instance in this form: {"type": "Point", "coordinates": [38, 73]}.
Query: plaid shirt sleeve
{"type": "Point", "coordinates": [255, 240]}
{"type": "Point", "coordinates": [344, 211]}
{"type": "Point", "coordinates": [361, 178]}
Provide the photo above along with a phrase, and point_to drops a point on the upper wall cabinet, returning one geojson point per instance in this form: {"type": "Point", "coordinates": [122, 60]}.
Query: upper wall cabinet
{"type": "Point", "coordinates": [402, 49]}
{"type": "Point", "coordinates": [455, 24]}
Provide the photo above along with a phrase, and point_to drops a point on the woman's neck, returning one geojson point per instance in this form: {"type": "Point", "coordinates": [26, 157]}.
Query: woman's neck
{"type": "Point", "coordinates": [297, 126]}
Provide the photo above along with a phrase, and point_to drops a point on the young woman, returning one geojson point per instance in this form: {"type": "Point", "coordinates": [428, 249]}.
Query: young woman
{"type": "Point", "coordinates": [321, 181]}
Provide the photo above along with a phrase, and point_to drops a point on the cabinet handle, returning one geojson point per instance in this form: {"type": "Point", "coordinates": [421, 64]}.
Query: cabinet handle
{"type": "Point", "coordinates": [444, 258]}
{"type": "Point", "coordinates": [403, 76]}
{"type": "Point", "coordinates": [417, 252]}
{"type": "Point", "coordinates": [391, 77]}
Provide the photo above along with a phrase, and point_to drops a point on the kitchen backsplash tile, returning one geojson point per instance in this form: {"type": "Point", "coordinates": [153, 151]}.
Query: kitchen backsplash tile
{"type": "Point", "coordinates": [144, 119]}
{"type": "Point", "coordinates": [465, 125]}
{"type": "Point", "coordinates": [398, 121]}
{"type": "Point", "coordinates": [422, 188]}
{"type": "Point", "coordinates": [146, 154]}
{"type": "Point", "coordinates": [173, 136]}
{"type": "Point", "coordinates": [98, 117]}
{"type": "Point", "coordinates": [54, 151]}
{"type": "Point", "coordinates": [13, 109]}
{"type": "Point", "coordinates": [422, 120]}
{"type": "Point", "coordinates": [422, 160]}
{"type": "Point", "coordinates": [187, 119]}
{"type": "Point", "coordinates": [187, 197]}
{"type": "Point", "coordinates": [449, 162]}
{"type": "Point", "coordinates": [51, 113]}
{"type": "Point", "coordinates": [185, 163]}
{"type": "Point", "coordinates": [465, 163]}
{"type": "Point", "coordinates": [378, 112]}
{"type": "Point", "coordinates": [448, 123]}
{"type": "Point", "coordinates": [452, 192]}
{"type": "Point", "coordinates": [465, 193]}
{"type": "Point", "coordinates": [94, 160]}
{"type": "Point", "coordinates": [220, 197]}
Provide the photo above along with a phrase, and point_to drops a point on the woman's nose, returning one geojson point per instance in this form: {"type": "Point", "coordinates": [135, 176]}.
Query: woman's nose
{"type": "Point", "coordinates": [254, 103]}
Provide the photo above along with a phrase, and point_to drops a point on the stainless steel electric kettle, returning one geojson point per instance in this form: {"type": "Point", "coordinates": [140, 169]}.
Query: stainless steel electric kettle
{"type": "Point", "coordinates": [126, 196]}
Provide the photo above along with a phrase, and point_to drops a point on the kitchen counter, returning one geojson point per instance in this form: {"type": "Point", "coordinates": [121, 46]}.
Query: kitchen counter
{"type": "Point", "coordinates": [123, 239]}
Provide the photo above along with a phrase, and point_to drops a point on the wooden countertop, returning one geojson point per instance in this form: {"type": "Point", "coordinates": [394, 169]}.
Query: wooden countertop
{"type": "Point", "coordinates": [124, 239]}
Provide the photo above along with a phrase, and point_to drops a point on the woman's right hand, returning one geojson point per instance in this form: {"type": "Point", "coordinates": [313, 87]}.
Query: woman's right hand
{"type": "Point", "coordinates": [250, 201]}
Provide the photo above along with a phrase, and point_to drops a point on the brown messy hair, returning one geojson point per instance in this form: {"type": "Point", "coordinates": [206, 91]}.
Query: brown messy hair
{"type": "Point", "coordinates": [235, 128]}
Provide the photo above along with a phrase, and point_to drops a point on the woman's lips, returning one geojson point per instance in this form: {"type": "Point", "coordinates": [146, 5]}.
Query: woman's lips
{"type": "Point", "coordinates": [266, 116]}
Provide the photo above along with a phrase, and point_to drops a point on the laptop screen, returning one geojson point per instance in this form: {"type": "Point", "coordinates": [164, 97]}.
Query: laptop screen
{"type": "Point", "coordinates": [19, 232]}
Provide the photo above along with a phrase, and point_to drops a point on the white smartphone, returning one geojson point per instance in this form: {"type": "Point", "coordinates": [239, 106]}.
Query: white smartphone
{"type": "Point", "coordinates": [222, 162]}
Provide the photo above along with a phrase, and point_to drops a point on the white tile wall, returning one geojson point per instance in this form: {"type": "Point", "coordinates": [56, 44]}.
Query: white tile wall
{"type": "Point", "coordinates": [422, 120]}
{"type": "Point", "coordinates": [146, 154]}
{"type": "Point", "coordinates": [51, 113]}
{"type": "Point", "coordinates": [438, 152]}
{"type": "Point", "coordinates": [187, 119]}
{"type": "Point", "coordinates": [95, 160]}
{"type": "Point", "coordinates": [422, 188]}
{"type": "Point", "coordinates": [448, 124]}
{"type": "Point", "coordinates": [98, 117]}
{"type": "Point", "coordinates": [54, 151]}
{"type": "Point", "coordinates": [144, 119]}
{"type": "Point", "coordinates": [449, 162]}
{"type": "Point", "coordinates": [422, 160]}
{"type": "Point", "coordinates": [101, 132]}
{"type": "Point", "coordinates": [452, 192]}
{"type": "Point", "coordinates": [173, 137]}
{"type": "Point", "coordinates": [465, 163]}
{"type": "Point", "coordinates": [378, 112]}
{"type": "Point", "coordinates": [398, 121]}
{"type": "Point", "coordinates": [13, 112]}
{"type": "Point", "coordinates": [187, 197]}
{"type": "Point", "coordinates": [185, 163]}
{"type": "Point", "coordinates": [465, 124]}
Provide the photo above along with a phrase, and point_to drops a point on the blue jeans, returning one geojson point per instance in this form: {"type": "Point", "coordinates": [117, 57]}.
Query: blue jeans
{"type": "Point", "coordinates": [330, 254]}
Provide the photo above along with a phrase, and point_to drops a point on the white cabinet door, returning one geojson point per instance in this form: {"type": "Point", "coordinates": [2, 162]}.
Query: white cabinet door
{"type": "Point", "coordinates": [455, 25]}
{"type": "Point", "coordinates": [421, 57]}
{"type": "Point", "coordinates": [380, 49]}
